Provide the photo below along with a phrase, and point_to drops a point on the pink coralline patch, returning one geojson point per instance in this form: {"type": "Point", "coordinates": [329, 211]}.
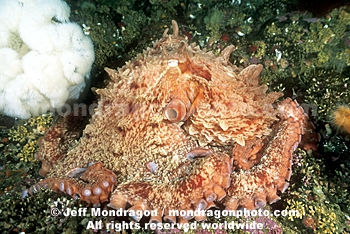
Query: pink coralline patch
{"type": "Point", "coordinates": [269, 225]}
{"type": "Point", "coordinates": [178, 128]}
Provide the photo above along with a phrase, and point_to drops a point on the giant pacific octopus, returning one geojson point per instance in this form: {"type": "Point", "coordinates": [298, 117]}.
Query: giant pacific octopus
{"type": "Point", "coordinates": [177, 128]}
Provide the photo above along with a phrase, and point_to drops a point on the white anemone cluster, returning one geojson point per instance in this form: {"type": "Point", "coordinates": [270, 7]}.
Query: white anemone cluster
{"type": "Point", "coordinates": [45, 60]}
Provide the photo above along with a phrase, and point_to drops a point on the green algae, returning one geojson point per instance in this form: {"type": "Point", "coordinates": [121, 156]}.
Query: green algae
{"type": "Point", "coordinates": [334, 88]}
{"type": "Point", "coordinates": [320, 197]}
{"type": "Point", "coordinates": [17, 150]}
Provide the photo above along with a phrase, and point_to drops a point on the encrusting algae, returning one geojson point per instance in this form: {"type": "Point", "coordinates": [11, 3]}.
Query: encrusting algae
{"type": "Point", "coordinates": [26, 136]}
{"type": "Point", "coordinates": [320, 199]}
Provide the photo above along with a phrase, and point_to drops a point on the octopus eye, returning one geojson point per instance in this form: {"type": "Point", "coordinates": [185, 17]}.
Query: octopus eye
{"type": "Point", "coordinates": [175, 111]}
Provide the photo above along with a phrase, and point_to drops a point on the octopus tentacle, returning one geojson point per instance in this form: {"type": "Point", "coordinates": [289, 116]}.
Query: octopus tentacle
{"type": "Point", "coordinates": [245, 157]}
{"type": "Point", "coordinates": [56, 142]}
{"type": "Point", "coordinates": [209, 174]}
{"type": "Point", "coordinates": [274, 170]}
{"type": "Point", "coordinates": [94, 186]}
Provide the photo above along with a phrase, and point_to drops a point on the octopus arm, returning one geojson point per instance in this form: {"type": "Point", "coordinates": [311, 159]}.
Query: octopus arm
{"type": "Point", "coordinates": [58, 140]}
{"type": "Point", "coordinates": [206, 182]}
{"type": "Point", "coordinates": [94, 185]}
{"type": "Point", "coordinates": [259, 177]}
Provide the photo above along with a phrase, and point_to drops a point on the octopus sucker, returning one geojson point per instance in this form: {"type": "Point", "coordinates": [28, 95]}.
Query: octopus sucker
{"type": "Point", "coordinates": [62, 186]}
{"type": "Point", "coordinates": [156, 219]}
{"type": "Point", "coordinates": [210, 195]}
{"type": "Point", "coordinates": [189, 214]}
{"type": "Point", "coordinates": [259, 201]}
{"type": "Point", "coordinates": [220, 193]}
{"type": "Point", "coordinates": [97, 190]}
{"type": "Point", "coordinates": [201, 205]}
{"type": "Point", "coordinates": [170, 218]}
{"type": "Point", "coordinates": [177, 128]}
{"type": "Point", "coordinates": [138, 207]}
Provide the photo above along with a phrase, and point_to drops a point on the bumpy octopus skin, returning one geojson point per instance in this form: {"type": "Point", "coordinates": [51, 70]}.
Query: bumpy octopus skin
{"type": "Point", "coordinates": [178, 128]}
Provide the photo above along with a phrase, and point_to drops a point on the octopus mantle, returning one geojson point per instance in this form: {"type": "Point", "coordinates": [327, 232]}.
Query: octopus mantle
{"type": "Point", "coordinates": [177, 128]}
